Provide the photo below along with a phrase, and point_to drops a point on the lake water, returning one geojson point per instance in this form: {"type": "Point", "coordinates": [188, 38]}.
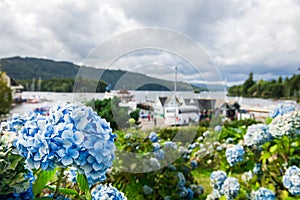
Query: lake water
{"type": "Point", "coordinates": [139, 96]}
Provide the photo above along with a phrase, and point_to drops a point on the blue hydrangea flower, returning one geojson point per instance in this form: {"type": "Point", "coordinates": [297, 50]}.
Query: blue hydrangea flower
{"type": "Point", "coordinates": [197, 189]}
{"type": "Point", "coordinates": [190, 194]}
{"type": "Point", "coordinates": [154, 164]}
{"type": "Point", "coordinates": [35, 143]}
{"type": "Point", "coordinates": [193, 145]}
{"type": "Point", "coordinates": [72, 135]}
{"type": "Point", "coordinates": [147, 190]}
{"type": "Point", "coordinates": [230, 188]}
{"type": "Point", "coordinates": [156, 146]}
{"type": "Point", "coordinates": [153, 137]}
{"type": "Point", "coordinates": [217, 179]}
{"type": "Point", "coordinates": [257, 134]}
{"type": "Point", "coordinates": [257, 168]}
{"type": "Point", "coordinates": [229, 141]}
{"type": "Point", "coordinates": [287, 124]}
{"type": "Point", "coordinates": [263, 194]}
{"type": "Point", "coordinates": [159, 154]}
{"type": "Point", "coordinates": [219, 148]}
{"type": "Point", "coordinates": [194, 164]}
{"type": "Point", "coordinates": [235, 154]}
{"type": "Point", "coordinates": [171, 167]}
{"type": "Point", "coordinates": [281, 110]}
{"type": "Point", "coordinates": [15, 123]}
{"type": "Point", "coordinates": [214, 195]}
{"type": "Point", "coordinates": [169, 144]}
{"type": "Point", "coordinates": [181, 178]}
{"type": "Point", "coordinates": [71, 174]}
{"type": "Point", "coordinates": [291, 180]}
{"type": "Point", "coordinates": [247, 176]}
{"type": "Point", "coordinates": [107, 192]}
{"type": "Point", "coordinates": [182, 192]}
{"type": "Point", "coordinates": [218, 128]}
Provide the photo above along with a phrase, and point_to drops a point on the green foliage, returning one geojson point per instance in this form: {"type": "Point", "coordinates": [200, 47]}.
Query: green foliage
{"type": "Point", "coordinates": [83, 185]}
{"type": "Point", "coordinates": [135, 115]}
{"type": "Point", "coordinates": [238, 123]}
{"type": "Point", "coordinates": [66, 85]}
{"type": "Point", "coordinates": [42, 179]}
{"type": "Point", "coordinates": [289, 88]}
{"type": "Point", "coordinates": [110, 110]}
{"type": "Point", "coordinates": [12, 167]}
{"type": "Point", "coordinates": [5, 96]}
{"type": "Point", "coordinates": [164, 181]}
{"type": "Point", "coordinates": [248, 84]}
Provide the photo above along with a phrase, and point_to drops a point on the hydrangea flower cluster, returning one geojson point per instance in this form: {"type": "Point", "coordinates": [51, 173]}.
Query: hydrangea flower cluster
{"type": "Point", "coordinates": [169, 144]}
{"type": "Point", "coordinates": [230, 188]}
{"type": "Point", "coordinates": [184, 192]}
{"type": "Point", "coordinates": [247, 176]}
{"type": "Point", "coordinates": [281, 110]}
{"type": "Point", "coordinates": [263, 194]}
{"type": "Point", "coordinates": [257, 134]}
{"type": "Point", "coordinates": [193, 145]}
{"type": "Point", "coordinates": [72, 135]}
{"type": "Point", "coordinates": [288, 124]}
{"type": "Point", "coordinates": [235, 154]}
{"type": "Point", "coordinates": [104, 192]}
{"type": "Point", "coordinates": [291, 180]}
{"type": "Point", "coordinates": [147, 190]}
{"type": "Point", "coordinates": [15, 122]}
{"type": "Point", "coordinates": [223, 185]}
{"type": "Point", "coordinates": [214, 195]}
{"type": "Point", "coordinates": [217, 179]}
{"type": "Point", "coordinates": [218, 128]}
{"type": "Point", "coordinates": [194, 164]}
{"type": "Point", "coordinates": [153, 137]}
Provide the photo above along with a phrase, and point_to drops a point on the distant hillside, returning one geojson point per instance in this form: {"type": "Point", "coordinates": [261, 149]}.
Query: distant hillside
{"type": "Point", "coordinates": [25, 69]}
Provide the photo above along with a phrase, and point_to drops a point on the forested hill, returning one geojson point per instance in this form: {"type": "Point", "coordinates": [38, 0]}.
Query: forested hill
{"type": "Point", "coordinates": [287, 88]}
{"type": "Point", "coordinates": [55, 74]}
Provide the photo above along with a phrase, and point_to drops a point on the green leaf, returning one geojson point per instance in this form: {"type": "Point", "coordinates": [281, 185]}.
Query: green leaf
{"type": "Point", "coordinates": [83, 185]}
{"type": "Point", "coordinates": [283, 194]}
{"type": "Point", "coordinates": [41, 181]}
{"type": "Point", "coordinates": [63, 190]}
{"type": "Point", "coordinates": [44, 198]}
{"type": "Point", "coordinates": [273, 148]}
{"type": "Point", "coordinates": [68, 191]}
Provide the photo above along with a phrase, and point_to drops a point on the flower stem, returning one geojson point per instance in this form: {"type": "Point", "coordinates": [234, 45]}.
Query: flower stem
{"type": "Point", "coordinates": [59, 182]}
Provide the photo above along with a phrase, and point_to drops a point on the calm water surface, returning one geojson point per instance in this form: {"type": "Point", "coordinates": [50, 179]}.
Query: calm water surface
{"type": "Point", "coordinates": [139, 96]}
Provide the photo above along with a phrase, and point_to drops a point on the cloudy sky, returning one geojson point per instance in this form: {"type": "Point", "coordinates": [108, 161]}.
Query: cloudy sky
{"type": "Point", "coordinates": [236, 36]}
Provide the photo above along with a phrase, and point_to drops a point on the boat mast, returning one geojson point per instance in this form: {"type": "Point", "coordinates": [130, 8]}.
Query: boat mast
{"type": "Point", "coordinates": [175, 84]}
{"type": "Point", "coordinates": [175, 93]}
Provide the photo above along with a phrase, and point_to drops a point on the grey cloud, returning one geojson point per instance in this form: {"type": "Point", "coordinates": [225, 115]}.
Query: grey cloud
{"type": "Point", "coordinates": [241, 36]}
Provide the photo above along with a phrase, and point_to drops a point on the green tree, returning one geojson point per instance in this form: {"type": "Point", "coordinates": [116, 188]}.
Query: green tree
{"type": "Point", "coordinates": [248, 83]}
{"type": "Point", "coordinates": [110, 110]}
{"type": "Point", "coordinates": [279, 79]}
{"type": "Point", "coordinates": [5, 95]}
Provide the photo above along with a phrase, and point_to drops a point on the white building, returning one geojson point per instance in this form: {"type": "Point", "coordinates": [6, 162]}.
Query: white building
{"type": "Point", "coordinates": [15, 88]}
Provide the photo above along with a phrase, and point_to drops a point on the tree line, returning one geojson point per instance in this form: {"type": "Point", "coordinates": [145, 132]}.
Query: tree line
{"type": "Point", "coordinates": [64, 85]}
{"type": "Point", "coordinates": [287, 88]}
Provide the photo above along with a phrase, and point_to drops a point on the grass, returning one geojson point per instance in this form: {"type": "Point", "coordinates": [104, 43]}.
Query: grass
{"type": "Point", "coordinates": [202, 177]}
